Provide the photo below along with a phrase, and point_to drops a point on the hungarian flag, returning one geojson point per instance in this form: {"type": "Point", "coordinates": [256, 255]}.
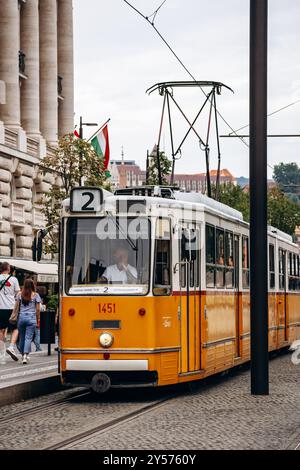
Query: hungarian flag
{"type": "Point", "coordinates": [101, 145]}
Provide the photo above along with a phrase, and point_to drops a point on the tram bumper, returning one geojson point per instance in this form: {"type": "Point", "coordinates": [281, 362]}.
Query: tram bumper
{"type": "Point", "coordinates": [103, 374]}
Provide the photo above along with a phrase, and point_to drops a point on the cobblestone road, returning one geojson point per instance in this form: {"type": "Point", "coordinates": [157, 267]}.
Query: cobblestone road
{"type": "Point", "coordinates": [220, 414]}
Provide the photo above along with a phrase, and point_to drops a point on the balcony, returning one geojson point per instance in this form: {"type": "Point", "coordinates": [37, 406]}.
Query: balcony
{"type": "Point", "coordinates": [17, 213]}
{"type": "Point", "coordinates": [38, 219]}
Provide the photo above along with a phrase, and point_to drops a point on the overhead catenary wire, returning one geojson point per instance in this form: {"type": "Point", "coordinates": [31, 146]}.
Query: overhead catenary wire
{"type": "Point", "coordinates": [181, 63]}
{"type": "Point", "coordinates": [271, 114]}
{"type": "Point", "coordinates": [156, 11]}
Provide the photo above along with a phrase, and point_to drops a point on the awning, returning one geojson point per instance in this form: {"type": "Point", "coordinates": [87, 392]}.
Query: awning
{"type": "Point", "coordinates": [46, 272]}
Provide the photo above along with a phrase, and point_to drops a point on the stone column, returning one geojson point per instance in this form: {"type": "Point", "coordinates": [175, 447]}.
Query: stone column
{"type": "Point", "coordinates": [30, 91]}
{"type": "Point", "coordinates": [9, 62]}
{"type": "Point", "coordinates": [48, 70]}
{"type": "Point", "coordinates": [66, 66]}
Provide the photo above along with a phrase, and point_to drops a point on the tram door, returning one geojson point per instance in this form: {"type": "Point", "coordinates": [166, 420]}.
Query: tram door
{"type": "Point", "coordinates": [236, 257]}
{"type": "Point", "coordinates": [190, 299]}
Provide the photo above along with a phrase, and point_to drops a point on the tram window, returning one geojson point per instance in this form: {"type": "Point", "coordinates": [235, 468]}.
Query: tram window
{"type": "Point", "coordinates": [195, 258]}
{"type": "Point", "coordinates": [229, 258]}
{"type": "Point", "coordinates": [162, 280]}
{"type": "Point", "coordinates": [183, 250]}
{"type": "Point", "coordinates": [245, 263]}
{"type": "Point", "coordinates": [271, 266]}
{"type": "Point", "coordinates": [220, 248]}
{"type": "Point", "coordinates": [210, 255]}
{"type": "Point", "coordinates": [298, 272]}
{"type": "Point", "coordinates": [220, 261]}
{"type": "Point", "coordinates": [293, 270]}
{"type": "Point", "coordinates": [282, 255]}
{"type": "Point", "coordinates": [98, 251]}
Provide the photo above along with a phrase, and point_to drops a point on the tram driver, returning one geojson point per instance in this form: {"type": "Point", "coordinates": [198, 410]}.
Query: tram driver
{"type": "Point", "coordinates": [121, 272]}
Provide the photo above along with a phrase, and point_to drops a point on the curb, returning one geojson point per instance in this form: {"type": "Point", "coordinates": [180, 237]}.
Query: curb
{"type": "Point", "coordinates": [31, 389]}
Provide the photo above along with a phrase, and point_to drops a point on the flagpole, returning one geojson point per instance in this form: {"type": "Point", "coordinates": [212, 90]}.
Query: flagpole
{"type": "Point", "coordinates": [98, 130]}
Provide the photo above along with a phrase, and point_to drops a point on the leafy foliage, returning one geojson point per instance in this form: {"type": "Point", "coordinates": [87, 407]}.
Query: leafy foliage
{"type": "Point", "coordinates": [74, 158]}
{"type": "Point", "coordinates": [166, 167]}
{"type": "Point", "coordinates": [283, 213]}
{"type": "Point", "coordinates": [234, 196]}
{"type": "Point", "coordinates": [287, 175]}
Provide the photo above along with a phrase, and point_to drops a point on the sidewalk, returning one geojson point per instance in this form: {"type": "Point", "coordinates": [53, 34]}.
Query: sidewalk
{"type": "Point", "coordinates": [20, 382]}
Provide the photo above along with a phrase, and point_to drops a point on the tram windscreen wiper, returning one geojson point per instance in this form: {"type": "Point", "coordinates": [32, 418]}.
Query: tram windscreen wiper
{"type": "Point", "coordinates": [125, 235]}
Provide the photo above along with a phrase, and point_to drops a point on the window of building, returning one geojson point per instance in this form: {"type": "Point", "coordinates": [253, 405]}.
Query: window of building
{"type": "Point", "coordinates": [271, 266]}
{"type": "Point", "coordinates": [12, 247]}
{"type": "Point", "coordinates": [245, 263]}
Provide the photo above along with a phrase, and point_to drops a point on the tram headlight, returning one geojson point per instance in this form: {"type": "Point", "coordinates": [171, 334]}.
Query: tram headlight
{"type": "Point", "coordinates": [106, 340]}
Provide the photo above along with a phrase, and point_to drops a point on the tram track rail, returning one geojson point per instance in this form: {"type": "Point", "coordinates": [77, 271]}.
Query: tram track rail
{"type": "Point", "coordinates": [19, 415]}
{"type": "Point", "coordinates": [104, 427]}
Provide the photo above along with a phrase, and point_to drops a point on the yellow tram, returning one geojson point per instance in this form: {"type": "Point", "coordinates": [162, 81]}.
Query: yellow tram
{"type": "Point", "coordinates": [155, 288]}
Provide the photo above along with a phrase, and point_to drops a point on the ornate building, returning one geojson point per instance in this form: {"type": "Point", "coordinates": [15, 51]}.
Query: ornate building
{"type": "Point", "coordinates": [36, 108]}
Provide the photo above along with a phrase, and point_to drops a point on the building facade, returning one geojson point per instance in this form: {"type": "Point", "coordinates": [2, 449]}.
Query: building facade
{"type": "Point", "coordinates": [36, 108]}
{"type": "Point", "coordinates": [126, 173]}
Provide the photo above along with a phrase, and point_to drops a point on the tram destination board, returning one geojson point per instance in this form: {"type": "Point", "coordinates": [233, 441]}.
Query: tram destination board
{"type": "Point", "coordinates": [87, 200]}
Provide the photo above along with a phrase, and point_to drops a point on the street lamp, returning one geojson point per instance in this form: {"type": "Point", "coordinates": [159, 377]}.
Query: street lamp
{"type": "Point", "coordinates": [87, 124]}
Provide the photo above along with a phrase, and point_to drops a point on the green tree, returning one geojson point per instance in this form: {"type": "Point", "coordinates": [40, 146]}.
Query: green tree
{"type": "Point", "coordinates": [287, 176]}
{"type": "Point", "coordinates": [283, 213]}
{"type": "Point", "coordinates": [73, 158]}
{"type": "Point", "coordinates": [166, 168]}
{"type": "Point", "coordinates": [234, 196]}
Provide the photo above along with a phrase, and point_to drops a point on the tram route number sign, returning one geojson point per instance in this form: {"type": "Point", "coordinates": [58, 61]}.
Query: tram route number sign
{"type": "Point", "coordinates": [88, 200]}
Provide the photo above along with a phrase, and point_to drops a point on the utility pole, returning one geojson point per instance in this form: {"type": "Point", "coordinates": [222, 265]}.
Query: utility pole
{"type": "Point", "coordinates": [81, 124]}
{"type": "Point", "coordinates": [80, 156]}
{"type": "Point", "coordinates": [258, 197]}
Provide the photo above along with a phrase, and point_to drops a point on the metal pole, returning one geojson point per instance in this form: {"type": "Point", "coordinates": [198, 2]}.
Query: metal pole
{"type": "Point", "coordinates": [147, 168]}
{"type": "Point", "coordinates": [98, 130]}
{"type": "Point", "coordinates": [258, 197]}
{"type": "Point", "coordinates": [80, 156]}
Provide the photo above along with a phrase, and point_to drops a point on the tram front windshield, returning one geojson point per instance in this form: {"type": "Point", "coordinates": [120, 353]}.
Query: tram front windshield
{"type": "Point", "coordinates": [108, 255]}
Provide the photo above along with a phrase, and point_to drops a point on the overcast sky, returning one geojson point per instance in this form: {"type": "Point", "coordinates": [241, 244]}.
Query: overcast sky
{"type": "Point", "coordinates": [118, 56]}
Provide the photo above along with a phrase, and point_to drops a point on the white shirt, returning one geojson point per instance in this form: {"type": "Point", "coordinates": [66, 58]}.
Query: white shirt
{"type": "Point", "coordinates": [113, 274]}
{"type": "Point", "coordinates": [9, 291]}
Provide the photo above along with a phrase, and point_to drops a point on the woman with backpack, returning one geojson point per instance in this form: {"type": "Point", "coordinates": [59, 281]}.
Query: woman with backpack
{"type": "Point", "coordinates": [28, 308]}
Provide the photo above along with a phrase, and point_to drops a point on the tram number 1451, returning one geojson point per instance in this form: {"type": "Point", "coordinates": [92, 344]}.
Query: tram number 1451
{"type": "Point", "coordinates": [107, 308]}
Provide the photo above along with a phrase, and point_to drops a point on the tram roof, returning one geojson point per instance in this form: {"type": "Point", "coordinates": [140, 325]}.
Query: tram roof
{"type": "Point", "coordinates": [172, 196]}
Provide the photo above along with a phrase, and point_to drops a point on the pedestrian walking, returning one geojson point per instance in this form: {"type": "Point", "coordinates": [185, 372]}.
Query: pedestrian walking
{"type": "Point", "coordinates": [9, 289]}
{"type": "Point", "coordinates": [28, 303]}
